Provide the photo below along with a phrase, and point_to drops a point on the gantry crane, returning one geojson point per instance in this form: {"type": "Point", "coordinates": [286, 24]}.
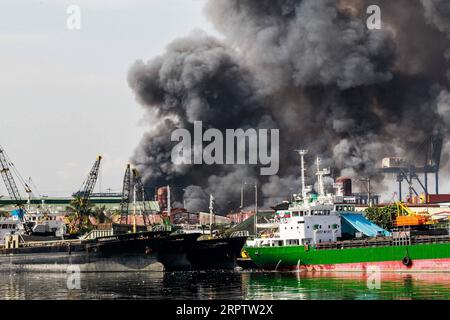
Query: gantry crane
{"type": "Point", "coordinates": [431, 149]}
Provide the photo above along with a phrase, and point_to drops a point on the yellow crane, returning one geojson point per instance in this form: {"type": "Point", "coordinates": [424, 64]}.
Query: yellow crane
{"type": "Point", "coordinates": [406, 217]}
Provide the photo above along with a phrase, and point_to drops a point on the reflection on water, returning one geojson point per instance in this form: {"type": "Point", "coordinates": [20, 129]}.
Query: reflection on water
{"type": "Point", "coordinates": [225, 285]}
{"type": "Point", "coordinates": [347, 286]}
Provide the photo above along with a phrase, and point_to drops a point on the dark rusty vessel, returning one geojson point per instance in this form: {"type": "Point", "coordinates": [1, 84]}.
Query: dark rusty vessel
{"type": "Point", "coordinates": [142, 251]}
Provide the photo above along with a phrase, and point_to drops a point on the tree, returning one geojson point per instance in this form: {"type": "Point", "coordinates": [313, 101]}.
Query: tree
{"type": "Point", "coordinates": [115, 215]}
{"type": "Point", "coordinates": [4, 214]}
{"type": "Point", "coordinates": [382, 216]}
{"type": "Point", "coordinates": [78, 221]}
{"type": "Point", "coordinates": [99, 213]}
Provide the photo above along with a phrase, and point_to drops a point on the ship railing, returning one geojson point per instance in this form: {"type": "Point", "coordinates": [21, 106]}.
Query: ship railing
{"type": "Point", "coordinates": [382, 242]}
{"type": "Point", "coordinates": [48, 243]}
{"type": "Point", "coordinates": [122, 237]}
{"type": "Point", "coordinates": [352, 244]}
{"type": "Point", "coordinates": [161, 228]}
{"type": "Point", "coordinates": [242, 233]}
{"type": "Point", "coordinates": [435, 239]}
{"type": "Point", "coordinates": [93, 234]}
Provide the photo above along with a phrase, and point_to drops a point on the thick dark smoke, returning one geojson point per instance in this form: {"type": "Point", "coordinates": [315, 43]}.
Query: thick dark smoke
{"type": "Point", "coordinates": [311, 68]}
{"type": "Point", "coordinates": [438, 13]}
{"type": "Point", "coordinates": [292, 44]}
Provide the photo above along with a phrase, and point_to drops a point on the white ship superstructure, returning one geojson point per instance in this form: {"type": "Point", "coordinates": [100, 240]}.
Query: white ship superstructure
{"type": "Point", "coordinates": [310, 218]}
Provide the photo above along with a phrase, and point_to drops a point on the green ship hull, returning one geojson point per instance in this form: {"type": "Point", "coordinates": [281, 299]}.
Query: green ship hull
{"type": "Point", "coordinates": [417, 257]}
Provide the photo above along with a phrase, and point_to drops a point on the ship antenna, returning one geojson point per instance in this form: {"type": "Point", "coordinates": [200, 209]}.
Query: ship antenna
{"type": "Point", "coordinates": [302, 154]}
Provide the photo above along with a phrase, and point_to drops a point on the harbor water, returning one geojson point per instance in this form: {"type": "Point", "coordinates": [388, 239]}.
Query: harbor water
{"type": "Point", "coordinates": [228, 285]}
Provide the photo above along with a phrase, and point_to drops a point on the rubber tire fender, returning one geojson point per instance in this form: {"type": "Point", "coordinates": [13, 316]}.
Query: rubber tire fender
{"type": "Point", "coordinates": [406, 261]}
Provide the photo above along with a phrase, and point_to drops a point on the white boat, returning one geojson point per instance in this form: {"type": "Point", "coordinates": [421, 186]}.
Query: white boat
{"type": "Point", "coordinates": [8, 226]}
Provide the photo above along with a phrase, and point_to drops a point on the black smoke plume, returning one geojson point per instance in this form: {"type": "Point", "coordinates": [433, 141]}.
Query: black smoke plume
{"type": "Point", "coordinates": [311, 68]}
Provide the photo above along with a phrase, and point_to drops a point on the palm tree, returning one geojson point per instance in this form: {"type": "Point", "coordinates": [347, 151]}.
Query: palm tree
{"type": "Point", "coordinates": [115, 215]}
{"type": "Point", "coordinates": [100, 214]}
{"type": "Point", "coordinates": [78, 220]}
{"type": "Point", "coordinates": [3, 213]}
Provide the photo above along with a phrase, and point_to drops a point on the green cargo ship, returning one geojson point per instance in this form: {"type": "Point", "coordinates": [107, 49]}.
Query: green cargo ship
{"type": "Point", "coordinates": [309, 237]}
{"type": "Point", "coordinates": [430, 254]}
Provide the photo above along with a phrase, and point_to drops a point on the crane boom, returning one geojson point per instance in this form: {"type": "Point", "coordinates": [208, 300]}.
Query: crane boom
{"type": "Point", "coordinates": [126, 195]}
{"type": "Point", "coordinates": [140, 187]}
{"type": "Point", "coordinates": [88, 186]}
{"type": "Point", "coordinates": [132, 179]}
{"type": "Point", "coordinates": [11, 186]}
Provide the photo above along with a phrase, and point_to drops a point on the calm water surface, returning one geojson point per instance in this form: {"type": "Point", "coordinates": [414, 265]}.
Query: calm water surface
{"type": "Point", "coordinates": [226, 285]}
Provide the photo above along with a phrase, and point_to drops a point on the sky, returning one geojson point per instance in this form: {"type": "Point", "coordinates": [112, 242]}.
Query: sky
{"type": "Point", "coordinates": [64, 97]}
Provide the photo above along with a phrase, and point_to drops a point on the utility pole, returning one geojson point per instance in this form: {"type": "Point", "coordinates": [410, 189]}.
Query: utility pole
{"type": "Point", "coordinates": [169, 208]}
{"type": "Point", "coordinates": [256, 209]}
{"type": "Point", "coordinates": [211, 212]}
{"type": "Point", "coordinates": [134, 208]}
{"type": "Point", "coordinates": [242, 195]}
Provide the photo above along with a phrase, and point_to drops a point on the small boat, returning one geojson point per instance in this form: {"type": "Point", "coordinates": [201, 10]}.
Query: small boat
{"type": "Point", "coordinates": [8, 226]}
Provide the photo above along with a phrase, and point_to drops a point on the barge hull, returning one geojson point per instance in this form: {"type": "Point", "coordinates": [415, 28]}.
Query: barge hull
{"type": "Point", "coordinates": [173, 252]}
{"type": "Point", "coordinates": [216, 253]}
{"type": "Point", "coordinates": [63, 262]}
{"type": "Point", "coordinates": [121, 253]}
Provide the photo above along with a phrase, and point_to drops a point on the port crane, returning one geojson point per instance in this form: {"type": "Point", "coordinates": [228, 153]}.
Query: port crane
{"type": "Point", "coordinates": [10, 184]}
{"type": "Point", "coordinates": [132, 182]}
{"type": "Point", "coordinates": [87, 187]}
{"type": "Point", "coordinates": [140, 190]}
{"type": "Point", "coordinates": [5, 169]}
{"type": "Point", "coordinates": [431, 149]}
{"type": "Point", "coordinates": [126, 195]}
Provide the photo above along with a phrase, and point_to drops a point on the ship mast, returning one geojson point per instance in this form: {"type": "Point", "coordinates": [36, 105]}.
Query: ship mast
{"type": "Point", "coordinates": [319, 177]}
{"type": "Point", "coordinates": [302, 154]}
{"type": "Point", "coordinates": [320, 174]}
